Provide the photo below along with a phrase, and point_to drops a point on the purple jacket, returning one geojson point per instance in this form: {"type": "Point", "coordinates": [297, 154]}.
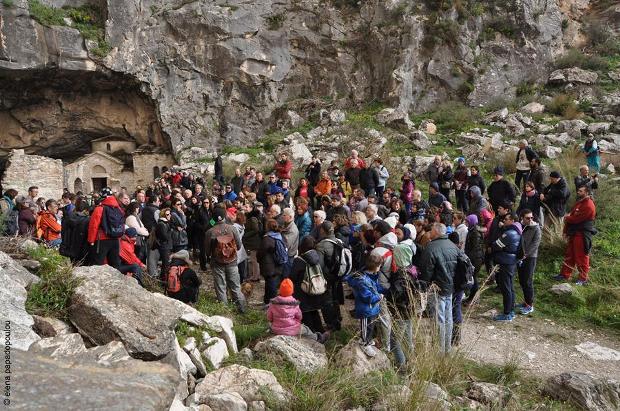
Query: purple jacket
{"type": "Point", "coordinates": [284, 315]}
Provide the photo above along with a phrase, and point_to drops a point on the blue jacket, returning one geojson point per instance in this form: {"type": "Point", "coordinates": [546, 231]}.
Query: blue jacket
{"type": "Point", "coordinates": [232, 196]}
{"type": "Point", "coordinates": [505, 248]}
{"type": "Point", "coordinates": [367, 292]}
{"type": "Point", "coordinates": [304, 224]}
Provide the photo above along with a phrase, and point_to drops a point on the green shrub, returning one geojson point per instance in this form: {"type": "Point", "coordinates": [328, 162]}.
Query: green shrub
{"type": "Point", "coordinates": [47, 16]}
{"type": "Point", "coordinates": [563, 105]}
{"type": "Point", "coordinates": [439, 31]}
{"type": "Point", "coordinates": [51, 296]}
{"type": "Point", "coordinates": [275, 21]}
{"type": "Point", "coordinates": [8, 3]}
{"type": "Point", "coordinates": [454, 116]}
{"type": "Point", "coordinates": [576, 58]}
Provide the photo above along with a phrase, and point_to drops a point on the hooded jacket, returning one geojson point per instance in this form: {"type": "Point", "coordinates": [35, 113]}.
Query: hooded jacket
{"type": "Point", "coordinates": [556, 196]}
{"type": "Point", "coordinates": [284, 315]}
{"type": "Point", "coordinates": [291, 233]}
{"type": "Point", "coordinates": [95, 231]}
{"type": "Point", "coordinates": [268, 266]}
{"type": "Point", "coordinates": [49, 226]}
{"type": "Point", "coordinates": [500, 192]}
{"type": "Point", "coordinates": [530, 240]}
{"type": "Point", "coordinates": [477, 203]}
{"type": "Point", "coordinates": [506, 247]}
{"type": "Point", "coordinates": [367, 292]}
{"type": "Point", "coordinates": [384, 174]}
{"type": "Point", "coordinates": [304, 224]}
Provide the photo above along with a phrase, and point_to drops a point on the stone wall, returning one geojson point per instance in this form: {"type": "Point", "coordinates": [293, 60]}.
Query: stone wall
{"type": "Point", "coordinates": [144, 164]}
{"type": "Point", "coordinates": [25, 170]}
{"type": "Point", "coordinates": [115, 146]}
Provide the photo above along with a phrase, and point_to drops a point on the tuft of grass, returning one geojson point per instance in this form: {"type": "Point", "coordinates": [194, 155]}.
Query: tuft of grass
{"type": "Point", "coordinates": [275, 21]}
{"type": "Point", "coordinates": [51, 296]}
{"type": "Point", "coordinates": [576, 58]}
{"type": "Point", "coordinates": [8, 3]}
{"type": "Point", "coordinates": [452, 116]}
{"type": "Point", "coordinates": [564, 105]}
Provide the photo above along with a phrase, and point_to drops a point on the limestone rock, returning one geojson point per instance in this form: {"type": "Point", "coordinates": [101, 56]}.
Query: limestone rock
{"type": "Point", "coordinates": [533, 108]}
{"type": "Point", "coordinates": [246, 354]}
{"type": "Point", "coordinates": [316, 133]}
{"type": "Point", "coordinates": [28, 245]}
{"type": "Point", "coordinates": [544, 128]}
{"type": "Point", "coordinates": [428, 127]}
{"type": "Point", "coordinates": [351, 356]}
{"type": "Point", "coordinates": [51, 327]}
{"type": "Point", "coordinates": [15, 270]}
{"type": "Point", "coordinates": [194, 354]}
{"type": "Point", "coordinates": [177, 405]}
{"type": "Point", "coordinates": [226, 401]}
{"type": "Point", "coordinates": [257, 406]}
{"type": "Point", "coordinates": [108, 306]}
{"type": "Point", "coordinates": [394, 117]}
{"type": "Point", "coordinates": [42, 382]}
{"type": "Point", "coordinates": [215, 351]}
{"type": "Point", "coordinates": [31, 265]}
{"type": "Point", "coordinates": [421, 140]}
{"type": "Point", "coordinates": [560, 289]}
{"type": "Point", "coordinates": [611, 169]}
{"type": "Point", "coordinates": [294, 119]}
{"type": "Point", "coordinates": [552, 151]}
{"type": "Point", "coordinates": [599, 128]}
{"type": "Point", "coordinates": [421, 164]}
{"type": "Point", "coordinates": [61, 346]}
{"type": "Point", "coordinates": [587, 392]}
{"type": "Point", "coordinates": [337, 117]}
{"type": "Point", "coordinates": [487, 393]}
{"type": "Point", "coordinates": [572, 127]}
{"type": "Point", "coordinates": [499, 115]}
{"type": "Point", "coordinates": [514, 126]}
{"type": "Point", "coordinates": [304, 354]}
{"type": "Point", "coordinates": [435, 392]}
{"type": "Point", "coordinates": [12, 303]}
{"type": "Point", "coordinates": [598, 352]}
{"type": "Point", "coordinates": [248, 382]}
{"type": "Point", "coordinates": [573, 75]}
{"type": "Point", "coordinates": [300, 153]}
{"type": "Point", "coordinates": [240, 158]}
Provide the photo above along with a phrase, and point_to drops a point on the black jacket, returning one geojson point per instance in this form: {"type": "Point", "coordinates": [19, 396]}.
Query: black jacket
{"type": "Point", "coordinates": [556, 196]}
{"type": "Point", "coordinates": [268, 267]}
{"type": "Point", "coordinates": [536, 176]}
{"type": "Point", "coordinates": [353, 175]}
{"type": "Point", "coordinates": [190, 283]}
{"type": "Point", "coordinates": [529, 153]}
{"type": "Point", "coordinates": [531, 203]}
{"type": "Point", "coordinates": [500, 192]}
{"type": "Point", "coordinates": [476, 181]}
{"type": "Point", "coordinates": [369, 178]}
{"type": "Point", "coordinates": [306, 302]}
{"type": "Point", "coordinates": [438, 264]}
{"type": "Point", "coordinates": [163, 233]}
{"type": "Point", "coordinates": [474, 246]}
{"type": "Point", "coordinates": [148, 216]}
{"type": "Point", "coordinates": [74, 233]}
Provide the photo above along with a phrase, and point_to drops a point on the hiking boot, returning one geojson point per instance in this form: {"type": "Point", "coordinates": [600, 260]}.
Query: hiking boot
{"type": "Point", "coordinates": [581, 282]}
{"type": "Point", "coordinates": [526, 309]}
{"type": "Point", "coordinates": [503, 318]}
{"type": "Point", "coordinates": [369, 350]}
{"type": "Point", "coordinates": [559, 277]}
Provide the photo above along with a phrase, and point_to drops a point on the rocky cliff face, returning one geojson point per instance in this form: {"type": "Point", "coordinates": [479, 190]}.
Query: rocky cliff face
{"type": "Point", "coordinates": [216, 73]}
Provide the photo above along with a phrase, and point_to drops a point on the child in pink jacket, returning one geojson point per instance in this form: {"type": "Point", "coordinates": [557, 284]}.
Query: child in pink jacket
{"type": "Point", "coordinates": [284, 315]}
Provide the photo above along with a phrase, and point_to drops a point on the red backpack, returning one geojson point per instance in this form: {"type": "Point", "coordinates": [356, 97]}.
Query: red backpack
{"type": "Point", "coordinates": [225, 247]}
{"type": "Point", "coordinates": [174, 278]}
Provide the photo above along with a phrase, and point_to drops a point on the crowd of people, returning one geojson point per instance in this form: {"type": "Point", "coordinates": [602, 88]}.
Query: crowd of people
{"type": "Point", "coordinates": [337, 224]}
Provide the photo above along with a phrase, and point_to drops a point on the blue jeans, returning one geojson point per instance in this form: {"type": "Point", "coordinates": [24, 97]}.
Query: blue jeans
{"type": "Point", "coordinates": [54, 243]}
{"type": "Point", "coordinates": [401, 336]}
{"type": "Point", "coordinates": [443, 315]}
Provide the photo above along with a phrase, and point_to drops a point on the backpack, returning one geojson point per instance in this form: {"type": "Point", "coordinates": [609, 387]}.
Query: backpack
{"type": "Point", "coordinates": [225, 249]}
{"type": "Point", "coordinates": [280, 254]}
{"type": "Point", "coordinates": [342, 259]}
{"type": "Point", "coordinates": [314, 282]}
{"type": "Point", "coordinates": [174, 278]}
{"type": "Point", "coordinates": [402, 287]}
{"type": "Point", "coordinates": [112, 222]}
{"type": "Point", "coordinates": [74, 233]}
{"type": "Point", "coordinates": [464, 275]}
{"type": "Point", "coordinates": [393, 267]}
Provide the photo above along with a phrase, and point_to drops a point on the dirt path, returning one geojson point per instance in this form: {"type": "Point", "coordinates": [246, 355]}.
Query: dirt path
{"type": "Point", "coordinates": [541, 346]}
{"type": "Point", "coordinates": [536, 344]}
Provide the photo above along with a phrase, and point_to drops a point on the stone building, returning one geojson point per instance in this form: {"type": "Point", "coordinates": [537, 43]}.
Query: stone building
{"type": "Point", "coordinates": [115, 162]}
{"type": "Point", "coordinates": [24, 170]}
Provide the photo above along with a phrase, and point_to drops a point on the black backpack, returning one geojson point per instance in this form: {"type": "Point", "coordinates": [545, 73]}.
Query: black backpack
{"type": "Point", "coordinates": [113, 222]}
{"type": "Point", "coordinates": [74, 234]}
{"type": "Point", "coordinates": [402, 288]}
{"type": "Point", "coordinates": [464, 274]}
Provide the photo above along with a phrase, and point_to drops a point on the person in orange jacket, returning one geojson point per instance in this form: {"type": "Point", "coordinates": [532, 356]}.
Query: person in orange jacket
{"type": "Point", "coordinates": [579, 227]}
{"type": "Point", "coordinates": [47, 224]}
{"type": "Point", "coordinates": [131, 264]}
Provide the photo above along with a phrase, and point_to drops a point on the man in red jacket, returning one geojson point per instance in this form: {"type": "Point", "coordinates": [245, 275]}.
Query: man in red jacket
{"type": "Point", "coordinates": [283, 167]}
{"type": "Point", "coordinates": [102, 245]}
{"type": "Point", "coordinates": [579, 227]}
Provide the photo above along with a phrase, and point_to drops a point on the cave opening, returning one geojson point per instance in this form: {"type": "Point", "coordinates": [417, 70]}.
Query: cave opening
{"type": "Point", "coordinates": [58, 114]}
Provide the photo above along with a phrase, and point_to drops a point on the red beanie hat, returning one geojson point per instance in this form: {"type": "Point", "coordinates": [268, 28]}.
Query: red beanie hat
{"type": "Point", "coordinates": [286, 288]}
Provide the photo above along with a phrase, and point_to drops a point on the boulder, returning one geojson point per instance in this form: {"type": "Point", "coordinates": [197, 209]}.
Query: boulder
{"type": "Point", "coordinates": [551, 152]}
{"type": "Point", "coordinates": [257, 406]}
{"type": "Point", "coordinates": [51, 327]}
{"type": "Point", "coordinates": [109, 306]}
{"type": "Point", "coordinates": [185, 368]}
{"type": "Point", "coordinates": [599, 128]}
{"type": "Point", "coordinates": [300, 152]}
{"type": "Point", "coordinates": [573, 75]}
{"type": "Point", "coordinates": [351, 356]}
{"type": "Point", "coordinates": [514, 126]}
{"type": "Point", "coordinates": [585, 391]}
{"type": "Point", "coordinates": [215, 351]}
{"type": "Point", "coordinates": [239, 158]}
{"type": "Point", "coordinates": [316, 133]}
{"type": "Point", "coordinates": [252, 384]}
{"type": "Point", "coordinates": [533, 108]}
{"type": "Point", "coordinates": [561, 289]}
{"type": "Point", "coordinates": [194, 354]}
{"type": "Point", "coordinates": [226, 401]}
{"type": "Point", "coordinates": [80, 383]}
{"type": "Point", "coordinates": [394, 117]}
{"type": "Point", "coordinates": [246, 354]}
{"type": "Point", "coordinates": [294, 120]}
{"type": "Point", "coordinates": [294, 138]}
{"type": "Point", "coordinates": [337, 117]}
{"type": "Point", "coordinates": [598, 352]}
{"type": "Point", "coordinates": [28, 245]}
{"type": "Point", "coordinates": [544, 128]}
{"type": "Point", "coordinates": [428, 127]}
{"type": "Point", "coordinates": [304, 354]}
{"type": "Point", "coordinates": [13, 303]}
{"type": "Point", "coordinates": [31, 265]}
{"type": "Point", "coordinates": [489, 394]}
{"type": "Point", "coordinates": [611, 169]}
{"type": "Point", "coordinates": [499, 115]}
{"type": "Point", "coordinates": [16, 271]}
{"type": "Point", "coordinates": [572, 127]}
{"type": "Point", "coordinates": [421, 163]}
{"type": "Point", "coordinates": [435, 392]}
{"type": "Point", "coordinates": [421, 140]}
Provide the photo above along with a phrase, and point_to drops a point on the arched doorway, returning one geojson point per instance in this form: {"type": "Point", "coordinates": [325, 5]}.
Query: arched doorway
{"type": "Point", "coordinates": [99, 178]}
{"type": "Point", "coordinates": [78, 185]}
{"type": "Point", "coordinates": [156, 172]}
